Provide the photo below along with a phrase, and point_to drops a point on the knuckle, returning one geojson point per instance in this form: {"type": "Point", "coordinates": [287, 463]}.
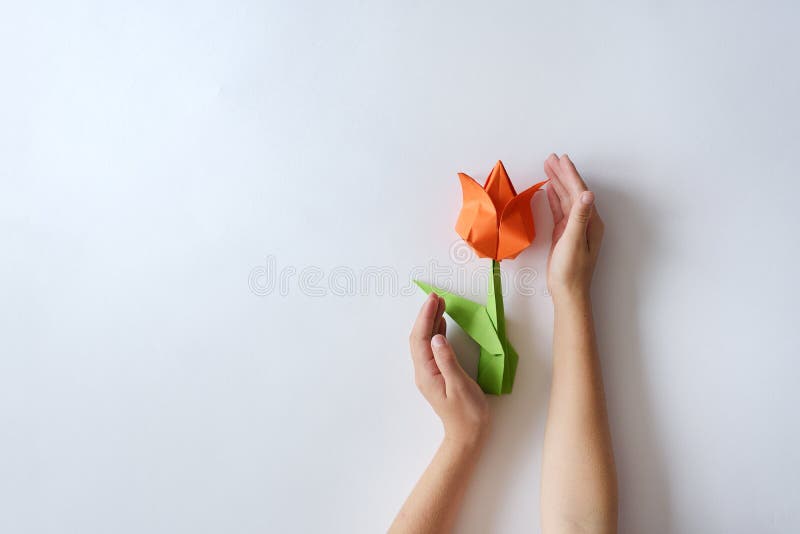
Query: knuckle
{"type": "Point", "coordinates": [444, 354]}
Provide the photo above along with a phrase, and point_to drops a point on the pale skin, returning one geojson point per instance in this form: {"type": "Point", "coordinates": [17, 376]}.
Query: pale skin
{"type": "Point", "coordinates": [579, 487]}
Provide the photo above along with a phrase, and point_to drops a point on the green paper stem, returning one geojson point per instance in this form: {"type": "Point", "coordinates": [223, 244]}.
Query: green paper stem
{"type": "Point", "coordinates": [497, 365]}
{"type": "Point", "coordinates": [494, 300]}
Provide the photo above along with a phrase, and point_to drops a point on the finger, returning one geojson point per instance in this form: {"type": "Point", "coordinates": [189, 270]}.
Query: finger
{"type": "Point", "coordinates": [446, 359]}
{"type": "Point", "coordinates": [438, 318]}
{"type": "Point", "coordinates": [442, 327]}
{"type": "Point", "coordinates": [555, 204]}
{"type": "Point", "coordinates": [579, 217]}
{"type": "Point", "coordinates": [570, 178]}
{"type": "Point", "coordinates": [422, 331]}
{"type": "Point", "coordinates": [552, 168]}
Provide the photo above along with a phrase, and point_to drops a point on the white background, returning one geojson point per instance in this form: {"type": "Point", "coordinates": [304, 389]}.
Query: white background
{"type": "Point", "coordinates": [154, 155]}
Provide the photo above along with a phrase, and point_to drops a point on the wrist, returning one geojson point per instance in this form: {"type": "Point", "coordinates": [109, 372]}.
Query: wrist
{"type": "Point", "coordinates": [466, 437]}
{"type": "Point", "coordinates": [463, 447]}
{"type": "Point", "coordinates": [571, 297]}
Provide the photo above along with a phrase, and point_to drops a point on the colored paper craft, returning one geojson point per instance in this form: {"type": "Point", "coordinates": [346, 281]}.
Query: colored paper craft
{"type": "Point", "coordinates": [494, 220]}
{"type": "Point", "coordinates": [498, 224]}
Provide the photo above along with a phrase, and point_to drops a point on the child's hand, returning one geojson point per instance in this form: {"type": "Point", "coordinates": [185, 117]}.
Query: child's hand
{"type": "Point", "coordinates": [577, 233]}
{"type": "Point", "coordinates": [455, 397]}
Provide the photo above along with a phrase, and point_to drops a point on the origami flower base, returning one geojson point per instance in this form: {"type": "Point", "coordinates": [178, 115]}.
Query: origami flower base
{"type": "Point", "coordinates": [496, 371]}
{"type": "Point", "coordinates": [497, 365]}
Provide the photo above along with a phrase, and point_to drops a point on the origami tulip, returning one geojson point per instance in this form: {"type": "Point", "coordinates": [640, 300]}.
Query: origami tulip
{"type": "Point", "coordinates": [496, 221]}
{"type": "Point", "coordinates": [497, 364]}
{"type": "Point", "coordinates": [498, 224]}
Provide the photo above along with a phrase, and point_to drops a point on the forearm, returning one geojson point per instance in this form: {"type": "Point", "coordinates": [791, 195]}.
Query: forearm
{"type": "Point", "coordinates": [434, 503]}
{"type": "Point", "coordinates": [578, 474]}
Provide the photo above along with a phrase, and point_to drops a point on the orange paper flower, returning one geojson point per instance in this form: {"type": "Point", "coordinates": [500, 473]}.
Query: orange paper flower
{"type": "Point", "coordinates": [495, 220]}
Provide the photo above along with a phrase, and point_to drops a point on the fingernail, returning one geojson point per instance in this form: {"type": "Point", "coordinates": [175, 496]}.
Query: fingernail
{"type": "Point", "coordinates": [438, 341]}
{"type": "Point", "coordinates": [587, 197]}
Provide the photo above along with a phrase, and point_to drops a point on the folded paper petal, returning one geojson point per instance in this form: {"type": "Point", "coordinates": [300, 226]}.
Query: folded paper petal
{"type": "Point", "coordinates": [478, 220]}
{"type": "Point", "coordinates": [499, 187]}
{"type": "Point", "coordinates": [517, 230]}
{"type": "Point", "coordinates": [495, 221]}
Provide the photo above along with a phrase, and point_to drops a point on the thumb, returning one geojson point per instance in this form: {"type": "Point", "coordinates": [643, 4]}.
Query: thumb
{"type": "Point", "coordinates": [579, 216]}
{"type": "Point", "coordinates": [446, 358]}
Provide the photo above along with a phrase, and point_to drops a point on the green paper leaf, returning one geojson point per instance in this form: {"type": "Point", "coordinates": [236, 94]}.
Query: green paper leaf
{"type": "Point", "coordinates": [490, 372]}
{"type": "Point", "coordinates": [498, 361]}
{"type": "Point", "coordinates": [510, 371]}
{"type": "Point", "coordinates": [470, 316]}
